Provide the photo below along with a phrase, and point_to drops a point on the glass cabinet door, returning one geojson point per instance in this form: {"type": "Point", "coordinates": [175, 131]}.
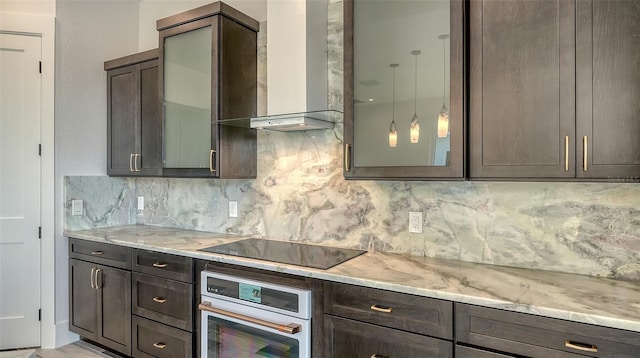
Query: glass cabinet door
{"type": "Point", "coordinates": [187, 99]}
{"type": "Point", "coordinates": [403, 89]}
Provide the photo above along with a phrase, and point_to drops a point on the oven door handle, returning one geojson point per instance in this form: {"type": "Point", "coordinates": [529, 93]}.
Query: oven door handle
{"type": "Point", "coordinates": [291, 328]}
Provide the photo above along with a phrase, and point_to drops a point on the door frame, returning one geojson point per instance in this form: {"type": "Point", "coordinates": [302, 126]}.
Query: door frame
{"type": "Point", "coordinates": [44, 27]}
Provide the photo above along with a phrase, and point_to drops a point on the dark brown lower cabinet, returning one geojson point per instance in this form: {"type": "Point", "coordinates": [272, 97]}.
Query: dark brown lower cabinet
{"type": "Point", "coordinates": [529, 335]}
{"type": "Point", "coordinates": [469, 352]}
{"type": "Point", "coordinates": [100, 304]}
{"type": "Point", "coordinates": [153, 339]}
{"type": "Point", "coordinates": [348, 338]}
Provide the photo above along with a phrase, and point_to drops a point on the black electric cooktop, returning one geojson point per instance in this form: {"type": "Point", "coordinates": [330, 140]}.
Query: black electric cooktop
{"type": "Point", "coordinates": [320, 257]}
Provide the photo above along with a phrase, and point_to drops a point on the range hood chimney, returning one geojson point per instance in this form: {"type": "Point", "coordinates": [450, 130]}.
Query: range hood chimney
{"type": "Point", "coordinates": [296, 66]}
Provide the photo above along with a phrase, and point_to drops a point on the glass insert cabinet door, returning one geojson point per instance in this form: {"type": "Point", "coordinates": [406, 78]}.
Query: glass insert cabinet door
{"type": "Point", "coordinates": [403, 83]}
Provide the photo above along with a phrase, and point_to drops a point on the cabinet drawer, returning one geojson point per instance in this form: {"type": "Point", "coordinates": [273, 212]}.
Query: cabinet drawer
{"type": "Point", "coordinates": [174, 267]}
{"type": "Point", "coordinates": [163, 300]}
{"type": "Point", "coordinates": [348, 338]}
{"type": "Point", "coordinates": [530, 335]}
{"type": "Point", "coordinates": [392, 309]}
{"type": "Point", "coordinates": [468, 352]}
{"type": "Point", "coordinates": [153, 339]}
{"type": "Point", "coordinates": [106, 254]}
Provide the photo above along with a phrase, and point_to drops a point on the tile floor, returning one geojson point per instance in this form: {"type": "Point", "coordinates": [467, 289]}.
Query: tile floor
{"type": "Point", "coordinates": [79, 349]}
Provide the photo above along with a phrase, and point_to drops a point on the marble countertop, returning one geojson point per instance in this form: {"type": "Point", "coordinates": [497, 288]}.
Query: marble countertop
{"type": "Point", "coordinates": [586, 299]}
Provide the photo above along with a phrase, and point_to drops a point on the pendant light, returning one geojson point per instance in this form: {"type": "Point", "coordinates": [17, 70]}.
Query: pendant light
{"type": "Point", "coordinates": [443, 116]}
{"type": "Point", "coordinates": [393, 131]}
{"type": "Point", "coordinates": [415, 126]}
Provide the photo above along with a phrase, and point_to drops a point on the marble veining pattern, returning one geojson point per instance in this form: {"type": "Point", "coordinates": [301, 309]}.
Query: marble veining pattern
{"type": "Point", "coordinates": [600, 301]}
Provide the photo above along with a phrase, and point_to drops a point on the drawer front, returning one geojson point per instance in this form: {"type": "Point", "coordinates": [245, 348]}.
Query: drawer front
{"type": "Point", "coordinates": [153, 339]}
{"type": "Point", "coordinates": [101, 253]}
{"type": "Point", "coordinates": [391, 309]}
{"type": "Point", "coordinates": [531, 335]}
{"type": "Point", "coordinates": [174, 267]}
{"type": "Point", "coordinates": [163, 300]}
{"type": "Point", "coordinates": [348, 338]}
{"type": "Point", "coordinates": [468, 352]}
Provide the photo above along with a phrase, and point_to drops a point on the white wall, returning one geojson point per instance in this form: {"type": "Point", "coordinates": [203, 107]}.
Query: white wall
{"type": "Point", "coordinates": [42, 7]}
{"type": "Point", "coordinates": [87, 34]}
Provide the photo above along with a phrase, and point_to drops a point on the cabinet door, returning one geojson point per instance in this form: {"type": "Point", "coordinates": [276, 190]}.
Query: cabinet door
{"type": "Point", "coordinates": [347, 338]}
{"type": "Point", "coordinates": [149, 125]}
{"type": "Point", "coordinates": [396, 65]}
{"type": "Point", "coordinates": [522, 91]}
{"type": "Point", "coordinates": [122, 101]}
{"type": "Point", "coordinates": [114, 308]}
{"type": "Point", "coordinates": [83, 318]}
{"type": "Point", "coordinates": [608, 89]}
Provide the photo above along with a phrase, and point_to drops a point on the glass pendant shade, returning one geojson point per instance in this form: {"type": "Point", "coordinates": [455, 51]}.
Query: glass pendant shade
{"type": "Point", "coordinates": [443, 122]}
{"type": "Point", "coordinates": [393, 135]}
{"type": "Point", "coordinates": [443, 116]}
{"type": "Point", "coordinates": [393, 131]}
{"type": "Point", "coordinates": [415, 126]}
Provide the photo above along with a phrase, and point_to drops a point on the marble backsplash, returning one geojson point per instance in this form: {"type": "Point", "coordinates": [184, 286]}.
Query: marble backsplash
{"type": "Point", "coordinates": [300, 195]}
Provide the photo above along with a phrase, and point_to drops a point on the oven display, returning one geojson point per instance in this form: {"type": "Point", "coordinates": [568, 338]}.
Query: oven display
{"type": "Point", "coordinates": [232, 340]}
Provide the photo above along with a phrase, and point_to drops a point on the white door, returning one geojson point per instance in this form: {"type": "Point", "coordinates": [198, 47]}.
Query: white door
{"type": "Point", "coordinates": [20, 116]}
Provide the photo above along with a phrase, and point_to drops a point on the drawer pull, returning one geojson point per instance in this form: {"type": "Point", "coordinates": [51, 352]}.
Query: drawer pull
{"type": "Point", "coordinates": [374, 355]}
{"type": "Point", "coordinates": [381, 309]}
{"type": "Point", "coordinates": [291, 328]}
{"type": "Point", "coordinates": [98, 253]}
{"type": "Point", "coordinates": [160, 345]}
{"type": "Point", "coordinates": [159, 299]}
{"type": "Point", "coordinates": [159, 265]}
{"type": "Point", "coordinates": [581, 346]}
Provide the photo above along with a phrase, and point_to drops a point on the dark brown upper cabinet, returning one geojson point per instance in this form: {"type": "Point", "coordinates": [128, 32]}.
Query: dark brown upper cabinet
{"type": "Point", "coordinates": [403, 59]}
{"type": "Point", "coordinates": [608, 90]}
{"type": "Point", "coordinates": [208, 72]}
{"type": "Point", "coordinates": [554, 89]}
{"type": "Point", "coordinates": [134, 128]}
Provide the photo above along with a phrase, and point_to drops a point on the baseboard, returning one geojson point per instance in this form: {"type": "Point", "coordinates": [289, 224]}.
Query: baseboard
{"type": "Point", "coordinates": [63, 335]}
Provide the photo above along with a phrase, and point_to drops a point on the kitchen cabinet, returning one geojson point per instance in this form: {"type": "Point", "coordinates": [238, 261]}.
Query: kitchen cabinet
{"type": "Point", "coordinates": [208, 72]}
{"type": "Point", "coordinates": [100, 297]}
{"type": "Point", "coordinates": [361, 321]}
{"type": "Point", "coordinates": [134, 126]}
{"type": "Point", "coordinates": [387, 46]}
{"type": "Point", "coordinates": [162, 305]}
{"type": "Point", "coordinates": [534, 336]}
{"type": "Point", "coordinates": [608, 89]}
{"type": "Point", "coordinates": [553, 89]}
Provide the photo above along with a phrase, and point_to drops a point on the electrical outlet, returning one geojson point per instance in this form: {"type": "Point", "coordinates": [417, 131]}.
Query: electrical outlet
{"type": "Point", "coordinates": [233, 209]}
{"type": "Point", "coordinates": [141, 203]}
{"type": "Point", "coordinates": [77, 207]}
{"type": "Point", "coordinates": [415, 222]}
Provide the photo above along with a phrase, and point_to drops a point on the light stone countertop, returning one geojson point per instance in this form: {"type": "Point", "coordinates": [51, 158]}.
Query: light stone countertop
{"type": "Point", "coordinates": [586, 299]}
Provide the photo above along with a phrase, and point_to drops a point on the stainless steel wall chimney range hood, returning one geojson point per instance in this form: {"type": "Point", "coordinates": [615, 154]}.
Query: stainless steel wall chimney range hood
{"type": "Point", "coordinates": [297, 67]}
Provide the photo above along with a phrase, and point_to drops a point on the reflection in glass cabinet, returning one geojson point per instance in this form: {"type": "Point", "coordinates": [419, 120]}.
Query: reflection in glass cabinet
{"type": "Point", "coordinates": [187, 99]}
{"type": "Point", "coordinates": [403, 95]}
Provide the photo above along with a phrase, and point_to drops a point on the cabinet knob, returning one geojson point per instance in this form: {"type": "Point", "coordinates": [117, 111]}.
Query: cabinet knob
{"type": "Point", "coordinates": [160, 345]}
{"type": "Point", "coordinates": [159, 299]}
{"type": "Point", "coordinates": [159, 265]}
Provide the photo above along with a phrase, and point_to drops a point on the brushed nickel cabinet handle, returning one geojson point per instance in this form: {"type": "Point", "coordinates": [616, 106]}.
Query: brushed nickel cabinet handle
{"type": "Point", "coordinates": [566, 153]}
{"type": "Point", "coordinates": [131, 162]}
{"type": "Point", "coordinates": [381, 309]}
{"type": "Point", "coordinates": [98, 274]}
{"type": "Point", "coordinates": [97, 253]}
{"type": "Point", "coordinates": [160, 345]}
{"type": "Point", "coordinates": [211, 154]}
{"type": "Point", "coordinates": [135, 161]}
{"type": "Point", "coordinates": [347, 157]}
{"type": "Point", "coordinates": [585, 149]}
{"type": "Point", "coordinates": [581, 346]}
{"type": "Point", "coordinates": [159, 265]}
{"type": "Point", "coordinates": [159, 299]}
{"type": "Point", "coordinates": [291, 328]}
{"type": "Point", "coordinates": [91, 279]}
